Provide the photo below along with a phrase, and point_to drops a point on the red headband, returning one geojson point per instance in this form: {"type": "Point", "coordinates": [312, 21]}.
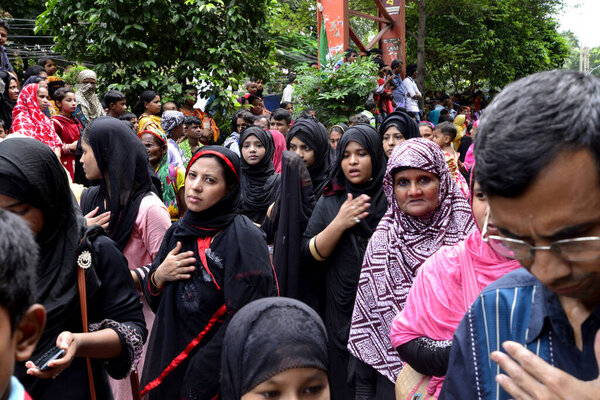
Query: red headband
{"type": "Point", "coordinates": [201, 153]}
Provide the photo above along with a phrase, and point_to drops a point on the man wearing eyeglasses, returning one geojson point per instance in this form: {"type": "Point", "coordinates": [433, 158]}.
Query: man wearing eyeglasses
{"type": "Point", "coordinates": [538, 161]}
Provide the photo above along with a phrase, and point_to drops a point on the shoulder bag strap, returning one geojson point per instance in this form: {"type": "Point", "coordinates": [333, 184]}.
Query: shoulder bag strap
{"type": "Point", "coordinates": [84, 319]}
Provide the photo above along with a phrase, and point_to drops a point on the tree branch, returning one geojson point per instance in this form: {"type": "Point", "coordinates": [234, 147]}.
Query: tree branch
{"type": "Point", "coordinates": [411, 34]}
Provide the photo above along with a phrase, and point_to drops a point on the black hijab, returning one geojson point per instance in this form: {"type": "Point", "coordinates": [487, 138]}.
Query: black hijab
{"type": "Point", "coordinates": [31, 173]}
{"type": "Point", "coordinates": [314, 134]}
{"type": "Point", "coordinates": [267, 337]}
{"type": "Point", "coordinates": [258, 181]}
{"type": "Point", "coordinates": [368, 138]}
{"type": "Point", "coordinates": [404, 122]}
{"type": "Point", "coordinates": [6, 104]}
{"type": "Point", "coordinates": [292, 210]}
{"type": "Point", "coordinates": [210, 221]}
{"type": "Point", "coordinates": [123, 162]}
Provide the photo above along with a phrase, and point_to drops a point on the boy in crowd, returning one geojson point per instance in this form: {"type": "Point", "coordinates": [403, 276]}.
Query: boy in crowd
{"type": "Point", "coordinates": [48, 64]}
{"type": "Point", "coordinates": [21, 321]}
{"type": "Point", "coordinates": [443, 135]}
{"type": "Point", "coordinates": [281, 120]}
{"type": "Point", "coordinates": [370, 110]}
{"type": "Point", "coordinates": [116, 103]}
{"type": "Point", "coordinates": [132, 119]}
{"type": "Point", "coordinates": [169, 106]}
{"type": "Point", "coordinates": [358, 119]}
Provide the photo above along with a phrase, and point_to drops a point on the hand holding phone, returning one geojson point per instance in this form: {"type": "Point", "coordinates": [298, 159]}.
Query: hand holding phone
{"type": "Point", "coordinates": [53, 354]}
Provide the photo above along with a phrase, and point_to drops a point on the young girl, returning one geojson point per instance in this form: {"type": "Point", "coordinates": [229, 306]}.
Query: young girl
{"type": "Point", "coordinates": [67, 127]}
{"type": "Point", "coordinates": [444, 134]}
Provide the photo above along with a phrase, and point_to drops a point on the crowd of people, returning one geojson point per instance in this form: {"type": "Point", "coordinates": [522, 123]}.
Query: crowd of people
{"type": "Point", "coordinates": [386, 258]}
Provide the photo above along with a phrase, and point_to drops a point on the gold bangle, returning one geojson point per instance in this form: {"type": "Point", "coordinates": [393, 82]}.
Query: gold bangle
{"type": "Point", "coordinates": [152, 281]}
{"type": "Point", "coordinates": [312, 245]}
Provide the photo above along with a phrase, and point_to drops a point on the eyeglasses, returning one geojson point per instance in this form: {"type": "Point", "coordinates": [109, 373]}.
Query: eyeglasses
{"type": "Point", "coordinates": [576, 249]}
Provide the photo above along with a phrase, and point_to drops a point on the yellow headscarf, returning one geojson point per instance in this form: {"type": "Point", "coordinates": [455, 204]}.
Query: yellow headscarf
{"type": "Point", "coordinates": [461, 128]}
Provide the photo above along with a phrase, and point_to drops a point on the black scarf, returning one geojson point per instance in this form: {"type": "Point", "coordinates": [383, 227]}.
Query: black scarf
{"type": "Point", "coordinates": [267, 337]}
{"type": "Point", "coordinates": [368, 138]}
{"type": "Point", "coordinates": [31, 173]}
{"type": "Point", "coordinates": [123, 162]}
{"type": "Point", "coordinates": [404, 122]}
{"type": "Point", "coordinates": [258, 181]}
{"type": "Point", "coordinates": [314, 134]}
{"type": "Point", "coordinates": [209, 222]}
{"type": "Point", "coordinates": [6, 104]}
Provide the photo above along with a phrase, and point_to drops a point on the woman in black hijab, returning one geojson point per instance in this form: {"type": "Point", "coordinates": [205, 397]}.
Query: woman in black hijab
{"type": "Point", "coordinates": [34, 185]}
{"type": "Point", "coordinates": [211, 263]}
{"type": "Point", "coordinates": [8, 99]}
{"type": "Point", "coordinates": [308, 138]}
{"type": "Point", "coordinates": [269, 338]}
{"type": "Point", "coordinates": [395, 129]}
{"type": "Point", "coordinates": [337, 236]}
{"type": "Point", "coordinates": [259, 180]}
{"type": "Point", "coordinates": [285, 227]}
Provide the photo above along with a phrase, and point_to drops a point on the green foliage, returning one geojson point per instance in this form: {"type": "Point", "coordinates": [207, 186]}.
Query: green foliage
{"type": "Point", "coordinates": [336, 95]}
{"type": "Point", "coordinates": [161, 44]}
{"type": "Point", "coordinates": [70, 76]}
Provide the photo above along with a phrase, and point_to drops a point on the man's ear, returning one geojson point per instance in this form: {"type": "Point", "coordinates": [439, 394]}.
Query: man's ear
{"type": "Point", "coordinates": [28, 331]}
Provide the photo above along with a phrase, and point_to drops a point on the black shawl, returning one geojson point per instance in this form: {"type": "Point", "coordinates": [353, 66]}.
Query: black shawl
{"type": "Point", "coordinates": [6, 104]}
{"type": "Point", "coordinates": [367, 137]}
{"type": "Point", "coordinates": [267, 337]}
{"type": "Point", "coordinates": [232, 269]}
{"type": "Point", "coordinates": [258, 181]}
{"type": "Point", "coordinates": [123, 163]}
{"type": "Point", "coordinates": [290, 215]}
{"type": "Point", "coordinates": [314, 134]}
{"type": "Point", "coordinates": [31, 173]}
{"type": "Point", "coordinates": [404, 122]}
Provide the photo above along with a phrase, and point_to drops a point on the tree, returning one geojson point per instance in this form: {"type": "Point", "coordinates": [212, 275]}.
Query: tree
{"type": "Point", "coordinates": [159, 44]}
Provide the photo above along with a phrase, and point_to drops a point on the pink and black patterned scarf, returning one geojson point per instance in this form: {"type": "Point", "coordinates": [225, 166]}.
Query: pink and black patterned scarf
{"type": "Point", "coordinates": [397, 249]}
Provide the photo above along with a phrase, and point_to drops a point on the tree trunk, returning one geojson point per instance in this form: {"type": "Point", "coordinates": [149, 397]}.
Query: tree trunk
{"type": "Point", "coordinates": [421, 50]}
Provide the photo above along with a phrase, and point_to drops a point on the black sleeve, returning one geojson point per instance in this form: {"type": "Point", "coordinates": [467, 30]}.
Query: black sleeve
{"type": "Point", "coordinates": [117, 306]}
{"type": "Point", "coordinates": [318, 221]}
{"type": "Point", "coordinates": [427, 356]}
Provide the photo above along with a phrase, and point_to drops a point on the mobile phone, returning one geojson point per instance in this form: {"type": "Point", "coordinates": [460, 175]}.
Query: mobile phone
{"type": "Point", "coordinates": [51, 355]}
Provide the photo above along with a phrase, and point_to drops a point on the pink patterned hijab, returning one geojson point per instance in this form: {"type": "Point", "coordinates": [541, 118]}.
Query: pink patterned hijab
{"type": "Point", "coordinates": [396, 250]}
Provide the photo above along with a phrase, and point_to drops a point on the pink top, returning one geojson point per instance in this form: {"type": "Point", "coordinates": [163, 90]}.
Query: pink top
{"type": "Point", "coordinates": [469, 158]}
{"type": "Point", "coordinates": [147, 234]}
{"type": "Point", "coordinates": [280, 147]}
{"type": "Point", "coordinates": [446, 285]}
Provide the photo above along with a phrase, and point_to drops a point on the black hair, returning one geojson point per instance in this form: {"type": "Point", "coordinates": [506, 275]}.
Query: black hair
{"type": "Point", "coordinates": [370, 105]}
{"type": "Point", "coordinates": [279, 113]}
{"type": "Point", "coordinates": [113, 96]}
{"type": "Point", "coordinates": [396, 63]}
{"type": "Point", "coordinates": [379, 62]}
{"type": "Point", "coordinates": [266, 118]}
{"type": "Point", "coordinates": [378, 52]}
{"type": "Point", "coordinates": [253, 97]}
{"type": "Point", "coordinates": [306, 113]}
{"type": "Point", "coordinates": [359, 119]}
{"type": "Point", "coordinates": [284, 104]}
{"type": "Point", "coordinates": [245, 114]}
{"type": "Point", "coordinates": [127, 116]}
{"type": "Point", "coordinates": [411, 69]}
{"type": "Point", "coordinates": [444, 111]}
{"type": "Point", "coordinates": [42, 61]}
{"type": "Point", "coordinates": [348, 52]}
{"type": "Point", "coordinates": [447, 129]}
{"type": "Point", "coordinates": [19, 257]}
{"type": "Point", "coordinates": [185, 88]}
{"type": "Point", "coordinates": [558, 111]}
{"type": "Point", "coordinates": [4, 24]}
{"type": "Point", "coordinates": [32, 71]}
{"type": "Point", "coordinates": [291, 77]}
{"type": "Point", "coordinates": [145, 97]}
{"type": "Point", "coordinates": [192, 120]}
{"type": "Point", "coordinates": [2, 124]}
{"type": "Point", "coordinates": [60, 94]}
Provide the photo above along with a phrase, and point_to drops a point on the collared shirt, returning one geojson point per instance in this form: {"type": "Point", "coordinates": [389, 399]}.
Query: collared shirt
{"type": "Point", "coordinates": [5, 64]}
{"type": "Point", "coordinates": [517, 307]}
{"type": "Point", "coordinates": [411, 88]}
{"type": "Point", "coordinates": [399, 93]}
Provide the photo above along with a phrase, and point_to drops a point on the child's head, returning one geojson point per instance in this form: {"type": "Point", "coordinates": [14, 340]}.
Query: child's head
{"type": "Point", "coordinates": [2, 129]}
{"type": "Point", "coordinates": [370, 106]}
{"type": "Point", "coordinates": [358, 119]}
{"type": "Point", "coordinates": [444, 134]}
{"type": "Point", "coordinates": [65, 101]}
{"type": "Point", "coordinates": [193, 128]}
{"type": "Point", "coordinates": [21, 321]}
{"type": "Point", "coordinates": [48, 64]}
{"type": "Point", "coordinates": [169, 106]}
{"type": "Point", "coordinates": [115, 102]}
{"type": "Point", "coordinates": [132, 119]}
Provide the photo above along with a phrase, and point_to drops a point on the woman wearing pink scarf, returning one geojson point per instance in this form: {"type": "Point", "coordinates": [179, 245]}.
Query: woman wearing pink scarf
{"type": "Point", "coordinates": [446, 285]}
{"type": "Point", "coordinates": [414, 227]}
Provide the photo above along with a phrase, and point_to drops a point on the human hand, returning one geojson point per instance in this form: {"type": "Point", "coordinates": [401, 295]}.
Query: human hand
{"type": "Point", "coordinates": [175, 267]}
{"type": "Point", "coordinates": [103, 219]}
{"type": "Point", "coordinates": [529, 377]}
{"type": "Point", "coordinates": [352, 211]}
{"type": "Point", "coordinates": [66, 341]}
